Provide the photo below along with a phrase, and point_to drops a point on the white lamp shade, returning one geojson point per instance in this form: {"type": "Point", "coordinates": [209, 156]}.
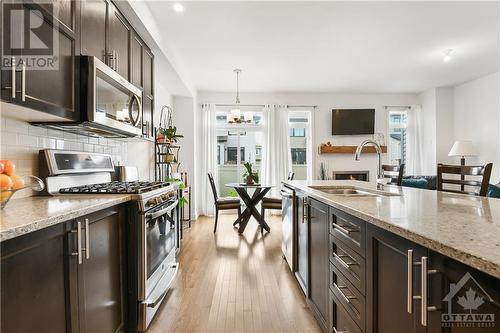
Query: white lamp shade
{"type": "Point", "coordinates": [463, 148]}
{"type": "Point", "coordinates": [235, 114]}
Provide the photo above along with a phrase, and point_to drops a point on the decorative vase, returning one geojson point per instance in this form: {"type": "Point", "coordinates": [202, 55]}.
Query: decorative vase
{"type": "Point", "coordinates": [249, 180]}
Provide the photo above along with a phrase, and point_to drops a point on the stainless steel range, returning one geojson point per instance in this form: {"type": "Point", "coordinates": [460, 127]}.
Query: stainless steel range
{"type": "Point", "coordinates": [153, 231]}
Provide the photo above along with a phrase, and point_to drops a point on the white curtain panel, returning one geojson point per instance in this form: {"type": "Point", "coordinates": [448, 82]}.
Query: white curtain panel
{"type": "Point", "coordinates": [209, 158]}
{"type": "Point", "coordinates": [415, 159]}
{"type": "Point", "coordinates": [277, 157]}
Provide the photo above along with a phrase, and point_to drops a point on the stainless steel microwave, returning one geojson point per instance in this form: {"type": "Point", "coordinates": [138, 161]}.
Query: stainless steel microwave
{"type": "Point", "coordinates": [108, 99]}
{"type": "Point", "coordinates": [110, 106]}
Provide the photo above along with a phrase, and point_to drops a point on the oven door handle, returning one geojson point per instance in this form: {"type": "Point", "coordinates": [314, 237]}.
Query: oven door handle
{"type": "Point", "coordinates": [153, 304]}
{"type": "Point", "coordinates": [163, 211]}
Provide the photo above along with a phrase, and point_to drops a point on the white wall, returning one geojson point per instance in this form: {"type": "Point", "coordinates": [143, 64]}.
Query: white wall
{"type": "Point", "coordinates": [477, 118]}
{"type": "Point", "coordinates": [427, 100]}
{"type": "Point", "coordinates": [444, 124]}
{"type": "Point", "coordinates": [322, 120]}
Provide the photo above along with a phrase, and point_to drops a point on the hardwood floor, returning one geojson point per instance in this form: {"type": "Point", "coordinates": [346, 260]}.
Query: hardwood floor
{"type": "Point", "coordinates": [231, 283]}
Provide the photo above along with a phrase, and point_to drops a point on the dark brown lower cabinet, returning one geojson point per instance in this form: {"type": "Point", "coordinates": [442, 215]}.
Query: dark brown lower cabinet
{"type": "Point", "coordinates": [387, 288]}
{"type": "Point", "coordinates": [101, 278]}
{"type": "Point", "coordinates": [340, 320]}
{"type": "Point", "coordinates": [34, 273]}
{"type": "Point", "coordinates": [473, 307]}
{"type": "Point", "coordinates": [318, 261]}
{"type": "Point", "coordinates": [44, 288]}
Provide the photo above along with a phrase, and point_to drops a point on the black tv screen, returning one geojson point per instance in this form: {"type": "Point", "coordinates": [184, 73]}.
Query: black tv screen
{"type": "Point", "coordinates": [353, 121]}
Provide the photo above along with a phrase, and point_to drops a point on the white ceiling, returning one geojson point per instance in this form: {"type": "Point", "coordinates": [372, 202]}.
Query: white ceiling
{"type": "Point", "coordinates": [332, 46]}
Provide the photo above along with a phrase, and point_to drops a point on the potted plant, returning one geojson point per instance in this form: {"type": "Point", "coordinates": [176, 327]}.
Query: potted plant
{"type": "Point", "coordinates": [170, 134]}
{"type": "Point", "coordinates": [250, 176]}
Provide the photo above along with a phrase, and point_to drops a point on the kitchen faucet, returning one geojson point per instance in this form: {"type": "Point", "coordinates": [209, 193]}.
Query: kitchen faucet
{"type": "Point", "coordinates": [357, 154]}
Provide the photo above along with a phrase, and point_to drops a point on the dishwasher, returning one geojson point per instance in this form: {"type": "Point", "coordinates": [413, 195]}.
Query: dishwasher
{"type": "Point", "coordinates": [288, 216]}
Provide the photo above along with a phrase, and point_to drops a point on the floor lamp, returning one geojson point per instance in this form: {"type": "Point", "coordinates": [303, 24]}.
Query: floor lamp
{"type": "Point", "coordinates": [463, 148]}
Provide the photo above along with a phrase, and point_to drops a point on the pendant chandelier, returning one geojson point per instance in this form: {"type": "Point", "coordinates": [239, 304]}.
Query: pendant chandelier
{"type": "Point", "coordinates": [235, 113]}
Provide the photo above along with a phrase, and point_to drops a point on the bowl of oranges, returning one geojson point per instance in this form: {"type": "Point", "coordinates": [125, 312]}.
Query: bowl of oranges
{"type": "Point", "coordinates": [10, 183]}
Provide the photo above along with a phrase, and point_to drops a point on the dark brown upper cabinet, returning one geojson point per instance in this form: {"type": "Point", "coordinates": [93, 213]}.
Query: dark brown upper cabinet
{"type": "Point", "coordinates": [26, 82]}
{"type": "Point", "coordinates": [136, 70]}
{"type": "Point", "coordinates": [148, 72]}
{"type": "Point", "coordinates": [119, 33]}
{"type": "Point", "coordinates": [94, 19]}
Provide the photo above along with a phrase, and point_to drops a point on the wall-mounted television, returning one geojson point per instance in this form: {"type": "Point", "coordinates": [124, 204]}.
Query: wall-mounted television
{"type": "Point", "coordinates": [353, 121]}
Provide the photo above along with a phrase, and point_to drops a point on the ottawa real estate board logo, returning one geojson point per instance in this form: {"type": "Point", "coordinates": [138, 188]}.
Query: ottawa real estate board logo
{"type": "Point", "coordinates": [468, 305]}
{"type": "Point", "coordinates": [30, 35]}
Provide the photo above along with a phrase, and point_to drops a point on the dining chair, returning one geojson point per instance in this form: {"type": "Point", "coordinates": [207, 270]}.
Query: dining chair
{"type": "Point", "coordinates": [225, 203]}
{"type": "Point", "coordinates": [394, 173]}
{"type": "Point", "coordinates": [464, 170]}
{"type": "Point", "coordinates": [273, 203]}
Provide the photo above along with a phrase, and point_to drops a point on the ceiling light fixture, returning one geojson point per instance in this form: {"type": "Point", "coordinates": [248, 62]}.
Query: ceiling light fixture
{"type": "Point", "coordinates": [178, 7]}
{"type": "Point", "coordinates": [447, 55]}
{"type": "Point", "coordinates": [235, 114]}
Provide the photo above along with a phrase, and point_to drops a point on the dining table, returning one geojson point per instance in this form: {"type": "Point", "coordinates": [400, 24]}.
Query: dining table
{"type": "Point", "coordinates": [251, 200]}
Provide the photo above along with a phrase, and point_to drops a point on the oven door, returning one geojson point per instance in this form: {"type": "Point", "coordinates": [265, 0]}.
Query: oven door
{"type": "Point", "coordinates": [112, 101]}
{"type": "Point", "coordinates": [158, 265]}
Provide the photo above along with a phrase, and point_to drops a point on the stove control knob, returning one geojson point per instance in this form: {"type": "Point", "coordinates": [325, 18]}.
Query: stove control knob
{"type": "Point", "coordinates": [150, 203]}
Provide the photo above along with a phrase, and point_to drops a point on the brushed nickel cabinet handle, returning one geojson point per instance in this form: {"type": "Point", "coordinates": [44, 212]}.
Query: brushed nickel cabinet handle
{"type": "Point", "coordinates": [424, 292]}
{"type": "Point", "coordinates": [23, 82]}
{"type": "Point", "coordinates": [409, 287]}
{"type": "Point", "coordinates": [343, 262]}
{"type": "Point", "coordinates": [345, 229]}
{"type": "Point", "coordinates": [87, 239]}
{"type": "Point", "coordinates": [78, 232]}
{"type": "Point", "coordinates": [346, 298]}
{"type": "Point", "coordinates": [335, 331]}
{"type": "Point", "coordinates": [13, 71]}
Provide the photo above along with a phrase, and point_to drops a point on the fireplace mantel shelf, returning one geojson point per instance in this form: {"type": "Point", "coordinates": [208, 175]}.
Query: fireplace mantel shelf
{"type": "Point", "coordinates": [329, 149]}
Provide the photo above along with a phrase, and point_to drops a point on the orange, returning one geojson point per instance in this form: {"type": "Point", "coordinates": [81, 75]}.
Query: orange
{"type": "Point", "coordinates": [17, 182]}
{"type": "Point", "coordinates": [4, 195]}
{"type": "Point", "coordinates": [5, 182]}
{"type": "Point", "coordinates": [8, 167]}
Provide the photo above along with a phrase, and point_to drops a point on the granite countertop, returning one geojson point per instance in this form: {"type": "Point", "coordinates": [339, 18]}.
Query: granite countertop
{"type": "Point", "coordinates": [465, 228]}
{"type": "Point", "coordinates": [25, 215]}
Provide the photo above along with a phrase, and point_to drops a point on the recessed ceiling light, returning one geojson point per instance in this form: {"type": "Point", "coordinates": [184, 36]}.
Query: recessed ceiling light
{"type": "Point", "coordinates": [447, 55]}
{"type": "Point", "coordinates": [178, 7]}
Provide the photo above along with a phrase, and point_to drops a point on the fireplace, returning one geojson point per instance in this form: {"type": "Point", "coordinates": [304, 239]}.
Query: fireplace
{"type": "Point", "coordinates": [352, 175]}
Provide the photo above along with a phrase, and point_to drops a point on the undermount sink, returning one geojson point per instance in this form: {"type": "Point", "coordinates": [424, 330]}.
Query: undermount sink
{"type": "Point", "coordinates": [352, 191]}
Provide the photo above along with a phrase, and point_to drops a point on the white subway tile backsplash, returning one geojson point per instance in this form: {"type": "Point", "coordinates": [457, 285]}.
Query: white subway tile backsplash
{"type": "Point", "coordinates": [60, 144]}
{"type": "Point", "coordinates": [93, 140]}
{"type": "Point", "coordinates": [55, 134]}
{"type": "Point", "coordinates": [37, 131]}
{"type": "Point", "coordinates": [21, 142]}
{"type": "Point", "coordinates": [8, 138]}
{"type": "Point", "coordinates": [16, 126]}
{"type": "Point", "coordinates": [27, 140]}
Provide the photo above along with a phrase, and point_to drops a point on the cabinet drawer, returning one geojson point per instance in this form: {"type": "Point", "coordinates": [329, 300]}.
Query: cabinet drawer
{"type": "Point", "coordinates": [348, 228]}
{"type": "Point", "coordinates": [347, 295]}
{"type": "Point", "coordinates": [340, 320]}
{"type": "Point", "coordinates": [348, 262]}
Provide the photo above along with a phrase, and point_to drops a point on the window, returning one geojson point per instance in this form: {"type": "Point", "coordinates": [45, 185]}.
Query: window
{"type": "Point", "coordinates": [299, 156]}
{"type": "Point", "coordinates": [238, 143]}
{"type": "Point", "coordinates": [397, 136]}
{"type": "Point", "coordinates": [299, 130]}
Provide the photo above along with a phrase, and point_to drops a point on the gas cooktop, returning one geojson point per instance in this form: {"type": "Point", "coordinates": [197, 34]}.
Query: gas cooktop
{"type": "Point", "coordinates": [115, 188]}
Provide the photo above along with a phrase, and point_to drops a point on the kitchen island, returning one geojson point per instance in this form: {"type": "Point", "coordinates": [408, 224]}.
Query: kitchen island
{"type": "Point", "coordinates": [391, 255]}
